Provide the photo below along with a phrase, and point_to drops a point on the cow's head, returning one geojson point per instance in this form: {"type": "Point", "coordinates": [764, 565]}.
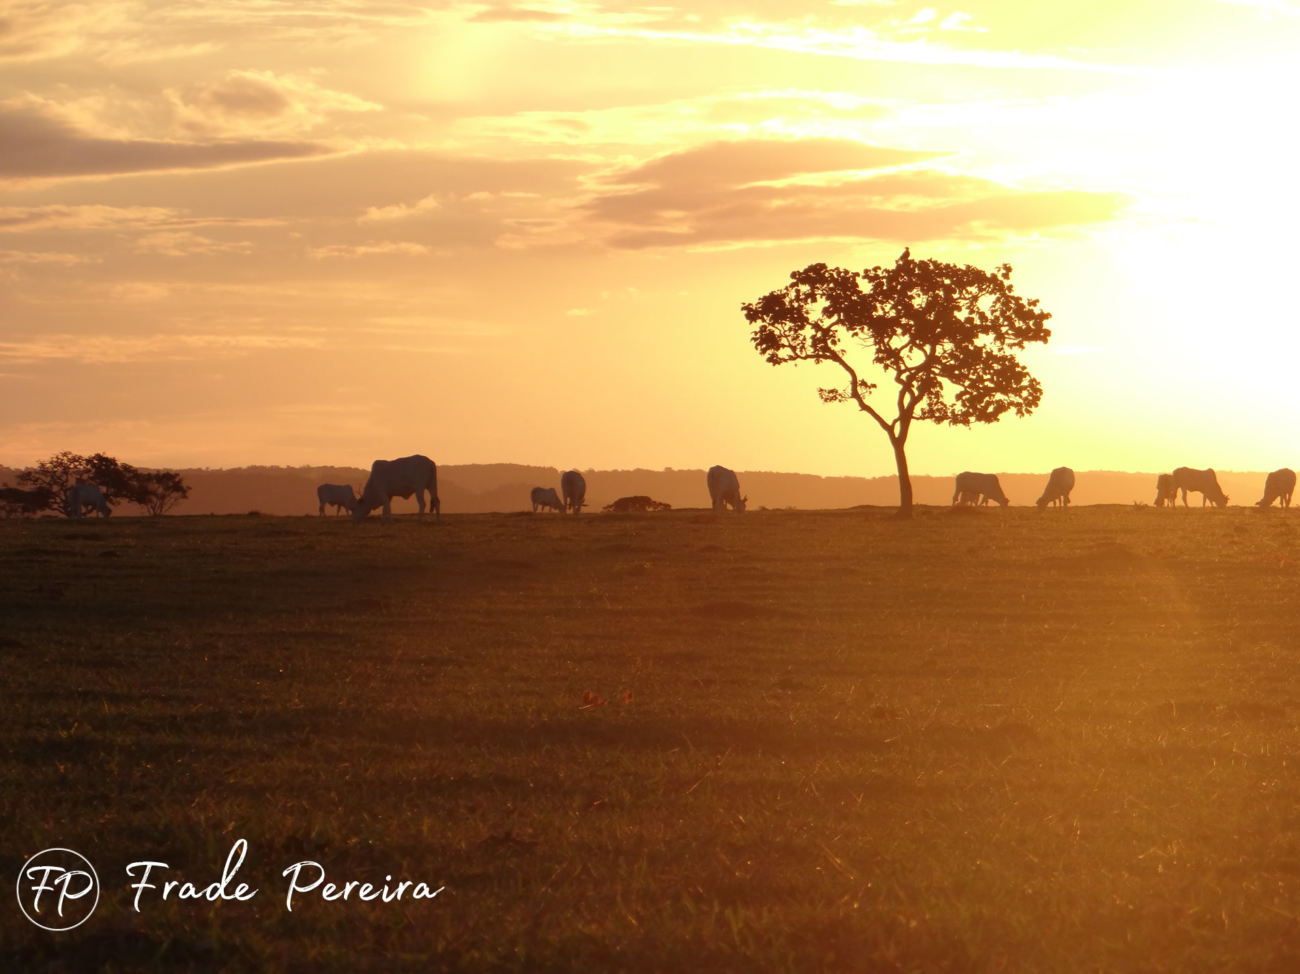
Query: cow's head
{"type": "Point", "coordinates": [740, 504]}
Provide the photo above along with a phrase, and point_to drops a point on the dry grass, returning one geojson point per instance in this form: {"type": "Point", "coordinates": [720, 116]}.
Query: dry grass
{"type": "Point", "coordinates": [1007, 740]}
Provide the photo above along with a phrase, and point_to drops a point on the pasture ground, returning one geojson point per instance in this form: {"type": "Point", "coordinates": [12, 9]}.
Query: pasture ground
{"type": "Point", "coordinates": [991, 740]}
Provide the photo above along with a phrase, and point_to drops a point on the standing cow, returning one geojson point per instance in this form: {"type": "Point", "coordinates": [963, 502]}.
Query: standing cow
{"type": "Point", "coordinates": [543, 497]}
{"type": "Point", "coordinates": [724, 489]}
{"type": "Point", "coordinates": [1204, 482]}
{"type": "Point", "coordinates": [1059, 484]}
{"type": "Point", "coordinates": [339, 496]}
{"type": "Point", "coordinates": [982, 483]}
{"type": "Point", "coordinates": [398, 478]}
{"type": "Point", "coordinates": [82, 496]}
{"type": "Point", "coordinates": [1278, 486]}
{"type": "Point", "coordinates": [1166, 492]}
{"type": "Point", "coordinates": [574, 487]}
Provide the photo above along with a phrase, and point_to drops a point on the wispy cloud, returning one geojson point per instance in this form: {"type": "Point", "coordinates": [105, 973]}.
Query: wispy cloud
{"type": "Point", "coordinates": [187, 243]}
{"type": "Point", "coordinates": [244, 104]}
{"type": "Point", "coordinates": [95, 216]}
{"type": "Point", "coordinates": [104, 349]}
{"type": "Point", "coordinates": [44, 257]}
{"type": "Point", "coordinates": [509, 13]}
{"type": "Point", "coordinates": [400, 211]}
{"type": "Point", "coordinates": [34, 146]}
{"type": "Point", "coordinates": [397, 248]}
{"type": "Point", "coordinates": [756, 192]}
{"type": "Point", "coordinates": [847, 41]}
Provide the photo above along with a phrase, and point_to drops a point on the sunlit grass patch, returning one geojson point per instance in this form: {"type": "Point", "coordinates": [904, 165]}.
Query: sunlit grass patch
{"type": "Point", "coordinates": [782, 741]}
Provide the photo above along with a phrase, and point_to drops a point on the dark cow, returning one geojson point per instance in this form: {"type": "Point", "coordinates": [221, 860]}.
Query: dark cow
{"type": "Point", "coordinates": [1166, 492]}
{"type": "Point", "coordinates": [543, 497]}
{"type": "Point", "coordinates": [574, 487]}
{"type": "Point", "coordinates": [639, 503]}
{"type": "Point", "coordinates": [1278, 486]}
{"type": "Point", "coordinates": [1059, 484]}
{"type": "Point", "coordinates": [982, 483]}
{"type": "Point", "coordinates": [83, 496]}
{"type": "Point", "coordinates": [1203, 482]}
{"type": "Point", "coordinates": [724, 489]}
{"type": "Point", "coordinates": [339, 496]}
{"type": "Point", "coordinates": [398, 478]}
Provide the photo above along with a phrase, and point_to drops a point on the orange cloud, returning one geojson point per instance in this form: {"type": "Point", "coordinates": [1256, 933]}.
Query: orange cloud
{"type": "Point", "coordinates": [36, 146]}
{"type": "Point", "coordinates": [759, 191]}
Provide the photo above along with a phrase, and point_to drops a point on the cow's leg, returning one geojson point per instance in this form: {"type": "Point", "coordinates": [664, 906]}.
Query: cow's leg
{"type": "Point", "coordinates": [419, 501]}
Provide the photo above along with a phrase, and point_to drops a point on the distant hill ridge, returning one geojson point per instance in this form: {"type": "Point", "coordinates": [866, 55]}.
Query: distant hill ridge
{"type": "Point", "coordinates": [504, 487]}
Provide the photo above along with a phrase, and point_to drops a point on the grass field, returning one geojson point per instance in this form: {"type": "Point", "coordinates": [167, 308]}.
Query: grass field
{"type": "Point", "coordinates": [978, 740]}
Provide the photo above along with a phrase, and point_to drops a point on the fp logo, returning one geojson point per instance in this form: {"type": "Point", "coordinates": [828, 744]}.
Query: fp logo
{"type": "Point", "coordinates": [58, 889]}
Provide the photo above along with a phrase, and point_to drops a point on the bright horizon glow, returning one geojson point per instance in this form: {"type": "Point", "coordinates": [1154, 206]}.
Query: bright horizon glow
{"type": "Point", "coordinates": [293, 234]}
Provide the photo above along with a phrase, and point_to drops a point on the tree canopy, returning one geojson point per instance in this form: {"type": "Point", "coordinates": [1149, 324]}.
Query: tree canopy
{"type": "Point", "coordinates": [155, 491]}
{"type": "Point", "coordinates": [946, 334]}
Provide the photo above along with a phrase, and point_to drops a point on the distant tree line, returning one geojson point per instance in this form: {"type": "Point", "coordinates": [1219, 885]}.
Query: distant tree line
{"type": "Point", "coordinates": [45, 486]}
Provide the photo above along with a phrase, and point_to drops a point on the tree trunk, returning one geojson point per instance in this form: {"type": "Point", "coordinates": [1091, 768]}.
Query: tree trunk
{"type": "Point", "coordinates": [904, 479]}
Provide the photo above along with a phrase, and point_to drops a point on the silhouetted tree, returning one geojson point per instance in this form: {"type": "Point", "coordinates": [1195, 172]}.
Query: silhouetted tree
{"type": "Point", "coordinates": [55, 476]}
{"type": "Point", "coordinates": [159, 491]}
{"type": "Point", "coordinates": [16, 502]}
{"type": "Point", "coordinates": [946, 335]}
{"type": "Point", "coordinates": [156, 492]}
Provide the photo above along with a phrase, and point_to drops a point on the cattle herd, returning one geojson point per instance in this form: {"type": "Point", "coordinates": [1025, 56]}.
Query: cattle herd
{"type": "Point", "coordinates": [980, 488]}
{"type": "Point", "coordinates": [418, 474]}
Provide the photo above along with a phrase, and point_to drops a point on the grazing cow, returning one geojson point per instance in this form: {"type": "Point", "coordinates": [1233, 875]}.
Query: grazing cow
{"type": "Point", "coordinates": [1203, 482]}
{"type": "Point", "coordinates": [15, 500]}
{"type": "Point", "coordinates": [1166, 492]}
{"type": "Point", "coordinates": [1059, 484]}
{"type": "Point", "coordinates": [398, 478]}
{"type": "Point", "coordinates": [82, 496]}
{"type": "Point", "coordinates": [640, 502]}
{"type": "Point", "coordinates": [338, 495]}
{"type": "Point", "coordinates": [574, 487]}
{"type": "Point", "coordinates": [724, 489]}
{"type": "Point", "coordinates": [546, 497]}
{"type": "Point", "coordinates": [1278, 486]}
{"type": "Point", "coordinates": [982, 483]}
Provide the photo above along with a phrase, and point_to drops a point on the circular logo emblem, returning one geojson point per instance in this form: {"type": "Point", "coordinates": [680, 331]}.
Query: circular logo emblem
{"type": "Point", "coordinates": [58, 889]}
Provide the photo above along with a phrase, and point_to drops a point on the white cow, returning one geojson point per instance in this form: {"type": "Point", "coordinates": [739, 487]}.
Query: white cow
{"type": "Point", "coordinates": [1203, 482]}
{"type": "Point", "coordinates": [82, 496]}
{"type": "Point", "coordinates": [985, 483]}
{"type": "Point", "coordinates": [546, 497]}
{"type": "Point", "coordinates": [1166, 492]}
{"type": "Point", "coordinates": [1279, 485]}
{"type": "Point", "coordinates": [574, 487]}
{"type": "Point", "coordinates": [398, 478]}
{"type": "Point", "coordinates": [339, 495]}
{"type": "Point", "coordinates": [724, 488]}
{"type": "Point", "coordinates": [1059, 484]}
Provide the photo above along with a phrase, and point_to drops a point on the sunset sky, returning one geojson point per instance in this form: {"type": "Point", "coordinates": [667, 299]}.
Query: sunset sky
{"type": "Point", "coordinates": [258, 232]}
